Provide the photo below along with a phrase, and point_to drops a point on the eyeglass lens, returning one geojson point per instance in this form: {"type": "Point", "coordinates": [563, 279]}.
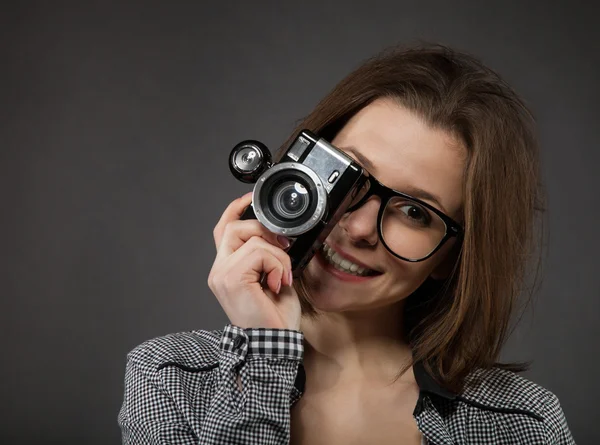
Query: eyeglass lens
{"type": "Point", "coordinates": [409, 229]}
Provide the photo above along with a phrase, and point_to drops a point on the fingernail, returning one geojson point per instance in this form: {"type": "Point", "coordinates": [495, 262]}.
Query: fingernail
{"type": "Point", "coordinates": [278, 288]}
{"type": "Point", "coordinates": [283, 241]}
{"type": "Point", "coordinates": [291, 278]}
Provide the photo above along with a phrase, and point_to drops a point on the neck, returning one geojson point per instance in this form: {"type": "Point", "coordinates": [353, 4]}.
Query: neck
{"type": "Point", "coordinates": [356, 347]}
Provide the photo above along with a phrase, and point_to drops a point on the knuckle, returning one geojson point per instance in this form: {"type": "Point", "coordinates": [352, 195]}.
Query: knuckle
{"type": "Point", "coordinates": [229, 285]}
{"type": "Point", "coordinates": [255, 241]}
{"type": "Point", "coordinates": [227, 228]}
{"type": "Point", "coordinates": [256, 227]}
{"type": "Point", "coordinates": [257, 254]}
{"type": "Point", "coordinates": [212, 279]}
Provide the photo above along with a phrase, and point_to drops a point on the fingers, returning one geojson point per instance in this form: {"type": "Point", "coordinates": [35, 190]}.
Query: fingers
{"type": "Point", "coordinates": [271, 266]}
{"type": "Point", "coordinates": [246, 248]}
{"type": "Point", "coordinates": [277, 264]}
{"type": "Point", "coordinates": [245, 268]}
{"type": "Point", "coordinates": [238, 232]}
{"type": "Point", "coordinates": [233, 212]}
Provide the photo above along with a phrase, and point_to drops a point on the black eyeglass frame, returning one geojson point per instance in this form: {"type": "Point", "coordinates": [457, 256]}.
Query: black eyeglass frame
{"type": "Point", "coordinates": [453, 229]}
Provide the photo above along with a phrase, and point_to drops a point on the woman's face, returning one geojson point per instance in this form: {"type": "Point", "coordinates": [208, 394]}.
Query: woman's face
{"type": "Point", "coordinates": [405, 154]}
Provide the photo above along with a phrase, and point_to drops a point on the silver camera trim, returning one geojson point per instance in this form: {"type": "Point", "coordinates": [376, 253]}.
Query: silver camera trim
{"type": "Point", "coordinates": [319, 210]}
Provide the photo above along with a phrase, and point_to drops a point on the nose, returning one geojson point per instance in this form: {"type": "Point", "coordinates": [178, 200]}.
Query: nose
{"type": "Point", "coordinates": [361, 225]}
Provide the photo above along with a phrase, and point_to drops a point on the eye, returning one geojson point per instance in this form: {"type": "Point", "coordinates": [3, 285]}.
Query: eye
{"type": "Point", "coordinates": [415, 213]}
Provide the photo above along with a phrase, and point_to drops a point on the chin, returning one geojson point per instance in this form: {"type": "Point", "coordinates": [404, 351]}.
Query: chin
{"type": "Point", "coordinates": [332, 302]}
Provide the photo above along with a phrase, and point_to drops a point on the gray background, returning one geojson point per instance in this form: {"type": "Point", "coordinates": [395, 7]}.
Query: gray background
{"type": "Point", "coordinates": [116, 121]}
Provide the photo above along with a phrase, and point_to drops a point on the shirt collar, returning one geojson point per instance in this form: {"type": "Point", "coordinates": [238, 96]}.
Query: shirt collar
{"type": "Point", "coordinates": [431, 421]}
{"type": "Point", "coordinates": [425, 381]}
{"type": "Point", "coordinates": [428, 384]}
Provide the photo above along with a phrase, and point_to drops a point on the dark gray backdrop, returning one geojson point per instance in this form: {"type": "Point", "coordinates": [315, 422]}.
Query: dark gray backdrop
{"type": "Point", "coordinates": [116, 121]}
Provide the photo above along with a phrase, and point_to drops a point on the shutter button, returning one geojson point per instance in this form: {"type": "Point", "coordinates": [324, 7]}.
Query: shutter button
{"type": "Point", "coordinates": [238, 341]}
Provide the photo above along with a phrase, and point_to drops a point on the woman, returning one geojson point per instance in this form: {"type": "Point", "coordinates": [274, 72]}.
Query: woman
{"type": "Point", "coordinates": [388, 338]}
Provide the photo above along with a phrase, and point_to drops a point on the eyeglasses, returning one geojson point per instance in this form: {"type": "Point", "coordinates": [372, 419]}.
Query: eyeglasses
{"type": "Point", "coordinates": [409, 228]}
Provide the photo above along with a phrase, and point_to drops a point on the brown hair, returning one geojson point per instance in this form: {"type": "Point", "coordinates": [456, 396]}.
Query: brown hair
{"type": "Point", "coordinates": [467, 317]}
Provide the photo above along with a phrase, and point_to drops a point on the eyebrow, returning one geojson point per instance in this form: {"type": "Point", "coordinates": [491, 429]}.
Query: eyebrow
{"type": "Point", "coordinates": [424, 195]}
{"type": "Point", "coordinates": [363, 160]}
{"type": "Point", "coordinates": [415, 192]}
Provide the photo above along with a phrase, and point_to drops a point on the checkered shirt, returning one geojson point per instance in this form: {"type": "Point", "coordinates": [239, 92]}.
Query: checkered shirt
{"type": "Point", "coordinates": [182, 389]}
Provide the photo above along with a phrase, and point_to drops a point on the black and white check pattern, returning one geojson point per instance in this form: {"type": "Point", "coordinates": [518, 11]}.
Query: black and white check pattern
{"type": "Point", "coordinates": [182, 389]}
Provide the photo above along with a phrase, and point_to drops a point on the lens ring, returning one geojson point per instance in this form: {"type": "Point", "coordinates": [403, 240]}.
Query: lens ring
{"type": "Point", "coordinates": [300, 210]}
{"type": "Point", "coordinates": [313, 184]}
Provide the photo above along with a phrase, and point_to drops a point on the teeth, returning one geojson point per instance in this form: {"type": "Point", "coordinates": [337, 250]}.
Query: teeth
{"type": "Point", "coordinates": [343, 264]}
{"type": "Point", "coordinates": [346, 264]}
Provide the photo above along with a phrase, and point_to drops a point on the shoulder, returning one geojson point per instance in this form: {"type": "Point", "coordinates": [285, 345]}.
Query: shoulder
{"type": "Point", "coordinates": [503, 389]}
{"type": "Point", "coordinates": [507, 393]}
{"type": "Point", "coordinates": [190, 350]}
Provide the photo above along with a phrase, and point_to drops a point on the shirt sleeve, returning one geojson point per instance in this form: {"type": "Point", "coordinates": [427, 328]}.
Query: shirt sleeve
{"type": "Point", "coordinates": [267, 362]}
{"type": "Point", "coordinates": [149, 415]}
{"type": "Point", "coordinates": [557, 430]}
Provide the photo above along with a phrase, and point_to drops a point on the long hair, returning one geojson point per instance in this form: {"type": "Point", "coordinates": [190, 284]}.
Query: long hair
{"type": "Point", "coordinates": [461, 323]}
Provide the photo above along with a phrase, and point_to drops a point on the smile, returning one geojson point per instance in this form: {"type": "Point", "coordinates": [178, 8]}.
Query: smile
{"type": "Point", "coordinates": [343, 268]}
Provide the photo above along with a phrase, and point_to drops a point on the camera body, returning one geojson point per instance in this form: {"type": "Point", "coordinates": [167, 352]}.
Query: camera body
{"type": "Point", "coordinates": [302, 196]}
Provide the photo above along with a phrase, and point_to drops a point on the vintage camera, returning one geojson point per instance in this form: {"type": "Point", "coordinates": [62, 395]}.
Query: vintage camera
{"type": "Point", "coordinates": [303, 196]}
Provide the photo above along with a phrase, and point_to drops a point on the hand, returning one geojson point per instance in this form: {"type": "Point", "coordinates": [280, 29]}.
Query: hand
{"type": "Point", "coordinates": [246, 249]}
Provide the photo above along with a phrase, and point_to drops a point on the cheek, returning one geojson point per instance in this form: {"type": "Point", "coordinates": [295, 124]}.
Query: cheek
{"type": "Point", "coordinates": [406, 277]}
{"type": "Point", "coordinates": [409, 270]}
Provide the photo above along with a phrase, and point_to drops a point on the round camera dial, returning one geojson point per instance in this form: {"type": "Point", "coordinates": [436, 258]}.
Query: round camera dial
{"type": "Point", "coordinates": [248, 160]}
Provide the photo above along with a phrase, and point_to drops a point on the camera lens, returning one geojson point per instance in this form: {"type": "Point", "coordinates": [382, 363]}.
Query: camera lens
{"type": "Point", "coordinates": [290, 200]}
